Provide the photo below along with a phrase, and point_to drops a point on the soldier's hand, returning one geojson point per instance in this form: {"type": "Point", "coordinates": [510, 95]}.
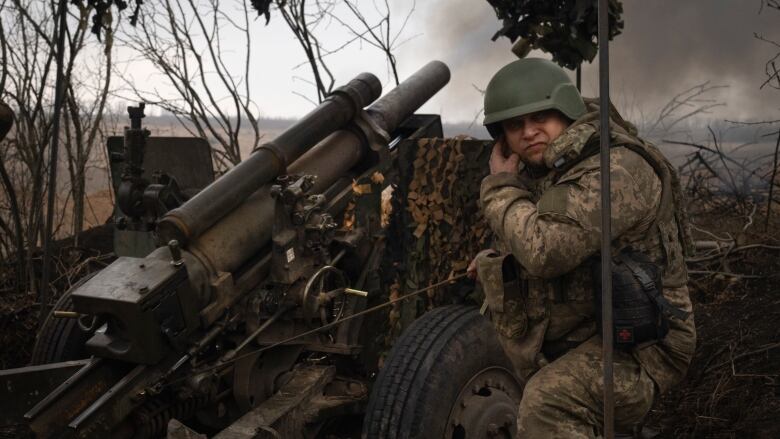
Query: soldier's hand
{"type": "Point", "coordinates": [471, 271]}
{"type": "Point", "coordinates": [501, 163]}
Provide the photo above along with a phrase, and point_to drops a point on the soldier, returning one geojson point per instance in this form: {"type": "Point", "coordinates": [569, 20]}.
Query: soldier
{"type": "Point", "coordinates": [542, 287]}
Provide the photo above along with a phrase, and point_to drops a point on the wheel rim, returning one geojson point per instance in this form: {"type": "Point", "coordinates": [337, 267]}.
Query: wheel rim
{"type": "Point", "coordinates": [486, 406]}
{"type": "Point", "coordinates": [329, 312]}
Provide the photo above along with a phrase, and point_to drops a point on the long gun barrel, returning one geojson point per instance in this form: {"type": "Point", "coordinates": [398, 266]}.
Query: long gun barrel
{"type": "Point", "coordinates": [245, 230]}
{"type": "Point", "coordinates": [269, 160]}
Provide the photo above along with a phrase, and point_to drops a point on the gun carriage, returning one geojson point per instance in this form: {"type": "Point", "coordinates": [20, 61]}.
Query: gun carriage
{"type": "Point", "coordinates": [245, 314]}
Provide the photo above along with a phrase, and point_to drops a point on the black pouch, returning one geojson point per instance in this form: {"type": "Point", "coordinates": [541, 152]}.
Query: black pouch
{"type": "Point", "coordinates": [640, 312]}
{"type": "Point", "coordinates": [503, 294]}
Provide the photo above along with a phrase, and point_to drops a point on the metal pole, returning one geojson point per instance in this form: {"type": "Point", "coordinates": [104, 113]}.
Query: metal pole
{"type": "Point", "coordinates": [606, 223]}
{"type": "Point", "coordinates": [59, 91]}
{"type": "Point", "coordinates": [579, 78]}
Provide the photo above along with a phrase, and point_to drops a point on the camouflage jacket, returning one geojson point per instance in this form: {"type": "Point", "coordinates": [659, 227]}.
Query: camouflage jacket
{"type": "Point", "coordinates": [551, 225]}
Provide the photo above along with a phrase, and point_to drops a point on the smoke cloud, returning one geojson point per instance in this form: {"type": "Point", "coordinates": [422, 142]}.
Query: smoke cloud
{"type": "Point", "coordinates": [667, 46]}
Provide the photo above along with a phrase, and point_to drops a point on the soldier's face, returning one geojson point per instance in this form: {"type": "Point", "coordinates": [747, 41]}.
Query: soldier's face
{"type": "Point", "coordinates": [529, 135]}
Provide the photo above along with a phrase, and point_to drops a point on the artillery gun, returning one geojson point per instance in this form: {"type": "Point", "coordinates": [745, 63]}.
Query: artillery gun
{"type": "Point", "coordinates": [245, 319]}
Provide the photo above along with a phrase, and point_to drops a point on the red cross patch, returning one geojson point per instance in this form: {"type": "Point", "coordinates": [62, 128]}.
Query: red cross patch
{"type": "Point", "coordinates": [625, 335]}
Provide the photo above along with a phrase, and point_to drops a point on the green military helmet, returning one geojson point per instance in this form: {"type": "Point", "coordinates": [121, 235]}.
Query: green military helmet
{"type": "Point", "coordinates": [527, 86]}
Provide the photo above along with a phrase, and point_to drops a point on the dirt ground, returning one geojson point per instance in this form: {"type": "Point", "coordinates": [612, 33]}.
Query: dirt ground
{"type": "Point", "coordinates": [733, 386]}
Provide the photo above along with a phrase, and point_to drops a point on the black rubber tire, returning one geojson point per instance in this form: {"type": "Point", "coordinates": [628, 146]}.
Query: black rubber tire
{"type": "Point", "coordinates": [61, 339]}
{"type": "Point", "coordinates": [425, 371]}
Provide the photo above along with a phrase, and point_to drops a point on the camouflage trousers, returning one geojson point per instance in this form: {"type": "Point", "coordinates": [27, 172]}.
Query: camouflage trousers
{"type": "Point", "coordinates": [564, 399]}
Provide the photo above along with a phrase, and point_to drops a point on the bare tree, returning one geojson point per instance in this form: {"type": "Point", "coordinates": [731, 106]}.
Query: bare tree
{"type": "Point", "coordinates": [694, 101]}
{"type": "Point", "coordinates": [186, 43]}
{"type": "Point", "coordinates": [303, 23]}
{"type": "Point", "coordinates": [27, 77]}
{"type": "Point", "coordinates": [770, 68]}
{"type": "Point", "coordinates": [378, 34]}
{"type": "Point", "coordinates": [308, 20]}
{"type": "Point", "coordinates": [772, 81]}
{"type": "Point", "coordinates": [85, 103]}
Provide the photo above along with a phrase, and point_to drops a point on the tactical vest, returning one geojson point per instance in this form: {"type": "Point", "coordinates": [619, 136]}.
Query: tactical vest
{"type": "Point", "coordinates": [535, 315]}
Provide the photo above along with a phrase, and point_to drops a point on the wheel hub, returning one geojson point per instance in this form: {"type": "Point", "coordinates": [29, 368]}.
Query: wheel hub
{"type": "Point", "coordinates": [254, 376]}
{"type": "Point", "coordinates": [486, 407]}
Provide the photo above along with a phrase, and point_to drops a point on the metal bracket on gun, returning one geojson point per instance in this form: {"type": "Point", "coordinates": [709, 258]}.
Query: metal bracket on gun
{"type": "Point", "coordinates": [329, 325]}
{"type": "Point", "coordinates": [375, 135]}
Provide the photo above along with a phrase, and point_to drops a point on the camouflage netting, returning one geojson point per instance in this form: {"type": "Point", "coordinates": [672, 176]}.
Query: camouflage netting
{"type": "Point", "coordinates": [436, 227]}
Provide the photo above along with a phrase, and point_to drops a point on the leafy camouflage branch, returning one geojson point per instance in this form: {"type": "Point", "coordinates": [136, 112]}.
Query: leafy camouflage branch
{"type": "Point", "coordinates": [566, 29]}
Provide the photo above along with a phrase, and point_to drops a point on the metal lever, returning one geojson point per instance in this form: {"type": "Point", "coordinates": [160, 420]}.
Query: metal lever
{"type": "Point", "coordinates": [356, 292]}
{"type": "Point", "coordinates": [66, 314]}
{"type": "Point", "coordinates": [173, 246]}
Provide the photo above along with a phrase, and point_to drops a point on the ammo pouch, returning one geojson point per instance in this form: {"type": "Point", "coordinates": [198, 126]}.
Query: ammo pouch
{"type": "Point", "coordinates": [501, 283]}
{"type": "Point", "coordinates": [640, 312]}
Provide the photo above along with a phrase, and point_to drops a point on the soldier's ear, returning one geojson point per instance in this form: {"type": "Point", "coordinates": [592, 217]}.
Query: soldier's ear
{"type": "Point", "coordinates": [505, 151]}
{"type": "Point", "coordinates": [566, 120]}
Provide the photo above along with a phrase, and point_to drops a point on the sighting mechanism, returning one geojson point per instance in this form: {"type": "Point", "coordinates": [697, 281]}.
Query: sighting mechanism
{"type": "Point", "coordinates": [302, 230]}
{"type": "Point", "coordinates": [303, 273]}
{"type": "Point", "coordinates": [143, 200]}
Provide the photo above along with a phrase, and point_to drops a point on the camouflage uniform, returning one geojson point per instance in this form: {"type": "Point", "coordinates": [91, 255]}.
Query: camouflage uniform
{"type": "Point", "coordinates": [551, 225]}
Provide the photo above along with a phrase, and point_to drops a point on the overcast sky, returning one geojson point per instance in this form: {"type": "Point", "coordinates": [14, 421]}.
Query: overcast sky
{"type": "Point", "coordinates": [667, 46]}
